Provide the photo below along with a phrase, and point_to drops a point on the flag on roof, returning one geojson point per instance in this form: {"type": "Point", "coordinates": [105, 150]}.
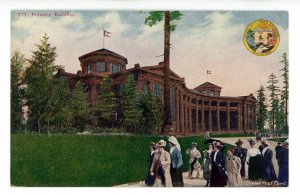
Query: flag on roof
{"type": "Point", "coordinates": [107, 33]}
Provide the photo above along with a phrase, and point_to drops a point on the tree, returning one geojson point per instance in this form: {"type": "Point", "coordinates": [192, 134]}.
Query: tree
{"type": "Point", "coordinates": [285, 91]}
{"type": "Point", "coordinates": [151, 112]}
{"type": "Point", "coordinates": [274, 90]}
{"type": "Point", "coordinates": [107, 103]}
{"type": "Point", "coordinates": [38, 77]}
{"type": "Point", "coordinates": [169, 25]}
{"type": "Point", "coordinates": [79, 107]}
{"type": "Point", "coordinates": [17, 62]}
{"type": "Point", "coordinates": [262, 112]}
{"type": "Point", "coordinates": [131, 116]}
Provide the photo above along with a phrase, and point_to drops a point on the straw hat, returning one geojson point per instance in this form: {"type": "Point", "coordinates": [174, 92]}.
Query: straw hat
{"type": "Point", "coordinates": [161, 143]}
{"type": "Point", "coordinates": [194, 144]}
{"type": "Point", "coordinates": [239, 142]}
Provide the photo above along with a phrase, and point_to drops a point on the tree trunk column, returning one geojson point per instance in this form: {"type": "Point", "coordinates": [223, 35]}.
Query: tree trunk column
{"type": "Point", "coordinates": [254, 117]}
{"type": "Point", "coordinates": [177, 111]}
{"type": "Point", "coordinates": [228, 115]}
{"type": "Point", "coordinates": [181, 112]}
{"type": "Point", "coordinates": [197, 108]}
{"type": "Point", "coordinates": [245, 116]}
{"type": "Point", "coordinates": [218, 116]}
{"type": "Point", "coordinates": [185, 115]}
{"type": "Point", "coordinates": [202, 116]}
{"type": "Point", "coordinates": [209, 118]}
{"type": "Point", "coordinates": [93, 94]}
{"type": "Point", "coordinates": [239, 116]}
{"type": "Point", "coordinates": [190, 115]}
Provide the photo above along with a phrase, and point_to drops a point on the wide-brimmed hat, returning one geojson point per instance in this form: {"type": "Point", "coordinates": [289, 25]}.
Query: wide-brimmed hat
{"type": "Point", "coordinates": [218, 144]}
{"type": "Point", "coordinates": [175, 142]}
{"type": "Point", "coordinates": [239, 142]}
{"type": "Point", "coordinates": [194, 144]}
{"type": "Point", "coordinates": [251, 142]}
{"type": "Point", "coordinates": [153, 144]}
{"type": "Point", "coordinates": [265, 143]}
{"type": "Point", "coordinates": [161, 143]}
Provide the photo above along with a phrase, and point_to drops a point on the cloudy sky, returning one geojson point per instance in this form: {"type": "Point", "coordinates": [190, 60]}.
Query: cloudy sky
{"type": "Point", "coordinates": [203, 41]}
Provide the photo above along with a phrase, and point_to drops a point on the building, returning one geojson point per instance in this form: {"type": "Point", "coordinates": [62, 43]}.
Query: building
{"type": "Point", "coordinates": [193, 111]}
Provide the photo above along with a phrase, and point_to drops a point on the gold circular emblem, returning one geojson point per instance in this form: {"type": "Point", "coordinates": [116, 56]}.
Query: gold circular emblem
{"type": "Point", "coordinates": [261, 37]}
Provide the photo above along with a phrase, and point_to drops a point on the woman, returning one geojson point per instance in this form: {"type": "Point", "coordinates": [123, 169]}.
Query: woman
{"type": "Point", "coordinates": [161, 166]}
{"type": "Point", "coordinates": [194, 164]}
{"type": "Point", "coordinates": [207, 163]}
{"type": "Point", "coordinates": [253, 159]}
{"type": "Point", "coordinates": [176, 162]}
{"type": "Point", "coordinates": [218, 177]}
{"type": "Point", "coordinates": [233, 167]}
{"type": "Point", "coordinates": [149, 181]}
{"type": "Point", "coordinates": [241, 153]}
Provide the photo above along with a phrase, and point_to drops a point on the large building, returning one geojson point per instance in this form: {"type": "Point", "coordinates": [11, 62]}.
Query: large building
{"type": "Point", "coordinates": [193, 111]}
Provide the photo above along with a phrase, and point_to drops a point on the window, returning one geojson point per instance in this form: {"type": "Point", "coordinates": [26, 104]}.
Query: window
{"type": "Point", "coordinates": [100, 67]}
{"type": "Point", "coordinates": [157, 90]}
{"type": "Point", "coordinates": [115, 68]}
{"type": "Point", "coordinates": [89, 68]}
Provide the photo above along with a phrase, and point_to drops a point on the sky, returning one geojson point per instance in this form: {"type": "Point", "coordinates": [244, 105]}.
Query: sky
{"type": "Point", "coordinates": [203, 40]}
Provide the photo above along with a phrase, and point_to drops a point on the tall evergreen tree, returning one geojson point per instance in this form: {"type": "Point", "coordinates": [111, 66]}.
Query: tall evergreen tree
{"type": "Point", "coordinates": [151, 112]}
{"type": "Point", "coordinates": [107, 103]}
{"type": "Point", "coordinates": [261, 112]}
{"type": "Point", "coordinates": [17, 62]}
{"type": "Point", "coordinates": [131, 112]}
{"type": "Point", "coordinates": [79, 107]}
{"type": "Point", "coordinates": [38, 79]}
{"type": "Point", "coordinates": [274, 90]}
{"type": "Point", "coordinates": [169, 25]}
{"type": "Point", "coordinates": [285, 91]}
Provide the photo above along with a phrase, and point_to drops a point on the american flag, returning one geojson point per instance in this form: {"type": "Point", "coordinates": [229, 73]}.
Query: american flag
{"type": "Point", "coordinates": [106, 33]}
{"type": "Point", "coordinates": [208, 71]}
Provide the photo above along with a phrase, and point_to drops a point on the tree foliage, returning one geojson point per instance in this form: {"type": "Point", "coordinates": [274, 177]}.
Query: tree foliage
{"type": "Point", "coordinates": [261, 111]}
{"type": "Point", "coordinates": [274, 90]}
{"type": "Point", "coordinates": [17, 63]}
{"type": "Point", "coordinates": [285, 91]}
{"type": "Point", "coordinates": [155, 17]}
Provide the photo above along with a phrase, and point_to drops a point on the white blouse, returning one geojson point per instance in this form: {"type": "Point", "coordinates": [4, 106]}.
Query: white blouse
{"type": "Point", "coordinates": [252, 152]}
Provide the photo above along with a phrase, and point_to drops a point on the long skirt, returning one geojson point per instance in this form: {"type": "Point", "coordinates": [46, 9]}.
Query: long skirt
{"type": "Point", "coordinates": [255, 169]}
{"type": "Point", "coordinates": [176, 175]}
{"type": "Point", "coordinates": [270, 174]}
{"type": "Point", "coordinates": [283, 176]}
{"type": "Point", "coordinates": [217, 177]}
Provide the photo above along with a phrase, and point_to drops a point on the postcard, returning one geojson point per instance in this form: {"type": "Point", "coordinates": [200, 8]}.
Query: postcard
{"type": "Point", "coordinates": [149, 98]}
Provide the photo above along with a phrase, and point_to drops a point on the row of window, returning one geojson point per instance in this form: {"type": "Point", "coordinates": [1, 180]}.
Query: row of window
{"type": "Point", "coordinates": [157, 90]}
{"type": "Point", "coordinates": [100, 67]}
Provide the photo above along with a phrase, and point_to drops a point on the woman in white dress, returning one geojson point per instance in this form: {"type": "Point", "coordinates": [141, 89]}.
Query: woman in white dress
{"type": "Point", "coordinates": [253, 159]}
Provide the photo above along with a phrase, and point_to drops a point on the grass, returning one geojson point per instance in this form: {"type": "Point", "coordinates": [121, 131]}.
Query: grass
{"type": "Point", "coordinates": [89, 160]}
{"type": "Point", "coordinates": [278, 139]}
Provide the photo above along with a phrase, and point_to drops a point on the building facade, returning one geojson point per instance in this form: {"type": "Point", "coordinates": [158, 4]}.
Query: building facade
{"type": "Point", "coordinates": [193, 111]}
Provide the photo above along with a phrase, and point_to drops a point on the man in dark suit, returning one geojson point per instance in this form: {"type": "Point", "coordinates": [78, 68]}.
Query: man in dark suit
{"type": "Point", "coordinates": [218, 176]}
{"type": "Point", "coordinates": [269, 171]}
{"type": "Point", "coordinates": [241, 153]}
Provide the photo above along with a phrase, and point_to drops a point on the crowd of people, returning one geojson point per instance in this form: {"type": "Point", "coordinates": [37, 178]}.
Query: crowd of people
{"type": "Point", "coordinates": [219, 170]}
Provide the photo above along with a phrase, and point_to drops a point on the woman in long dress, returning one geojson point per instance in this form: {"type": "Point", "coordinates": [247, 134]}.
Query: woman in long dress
{"type": "Point", "coordinates": [207, 163]}
{"type": "Point", "coordinates": [253, 159]}
{"type": "Point", "coordinates": [194, 164]}
{"type": "Point", "coordinates": [176, 162]}
{"type": "Point", "coordinates": [218, 177]}
{"type": "Point", "coordinates": [161, 166]}
{"type": "Point", "coordinates": [149, 181]}
{"type": "Point", "coordinates": [233, 167]}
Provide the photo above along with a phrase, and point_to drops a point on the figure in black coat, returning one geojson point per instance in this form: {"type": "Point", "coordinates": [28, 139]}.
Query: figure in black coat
{"type": "Point", "coordinates": [149, 181]}
{"type": "Point", "coordinates": [283, 162]}
{"type": "Point", "coordinates": [267, 155]}
{"type": "Point", "coordinates": [218, 176]}
{"type": "Point", "coordinates": [241, 153]}
{"type": "Point", "coordinates": [278, 148]}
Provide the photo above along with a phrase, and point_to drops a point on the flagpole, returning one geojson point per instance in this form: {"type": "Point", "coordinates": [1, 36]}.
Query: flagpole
{"type": "Point", "coordinates": [103, 38]}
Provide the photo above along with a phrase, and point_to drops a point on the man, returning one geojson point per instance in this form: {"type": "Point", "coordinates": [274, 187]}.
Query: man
{"type": "Point", "coordinates": [283, 162]}
{"type": "Point", "coordinates": [268, 167]}
{"type": "Point", "coordinates": [241, 153]}
{"type": "Point", "coordinates": [278, 148]}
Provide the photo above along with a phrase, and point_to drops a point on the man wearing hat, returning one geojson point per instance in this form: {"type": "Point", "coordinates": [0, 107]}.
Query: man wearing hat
{"type": "Point", "coordinates": [218, 176]}
{"type": "Point", "coordinates": [149, 181]}
{"type": "Point", "coordinates": [241, 153]}
{"type": "Point", "coordinates": [161, 166]}
{"type": "Point", "coordinates": [283, 162]}
{"type": "Point", "coordinates": [194, 164]}
{"type": "Point", "coordinates": [268, 167]}
{"type": "Point", "coordinates": [176, 162]}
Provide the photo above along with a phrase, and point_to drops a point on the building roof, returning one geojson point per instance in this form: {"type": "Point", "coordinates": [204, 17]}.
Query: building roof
{"type": "Point", "coordinates": [103, 51]}
{"type": "Point", "coordinates": [208, 84]}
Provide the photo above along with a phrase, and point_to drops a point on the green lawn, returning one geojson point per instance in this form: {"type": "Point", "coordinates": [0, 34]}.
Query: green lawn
{"type": "Point", "coordinates": [86, 160]}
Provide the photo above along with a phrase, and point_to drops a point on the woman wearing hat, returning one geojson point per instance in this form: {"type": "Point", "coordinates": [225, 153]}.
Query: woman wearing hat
{"type": "Point", "coordinates": [161, 166]}
{"type": "Point", "coordinates": [233, 166]}
{"type": "Point", "coordinates": [241, 153]}
{"type": "Point", "coordinates": [218, 177]}
{"type": "Point", "coordinates": [194, 164]}
{"type": "Point", "coordinates": [207, 163]}
{"type": "Point", "coordinates": [253, 160]}
{"type": "Point", "coordinates": [176, 162]}
{"type": "Point", "coordinates": [149, 181]}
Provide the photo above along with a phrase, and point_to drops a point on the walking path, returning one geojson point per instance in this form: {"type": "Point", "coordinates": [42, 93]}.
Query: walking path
{"type": "Point", "coordinates": [201, 182]}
